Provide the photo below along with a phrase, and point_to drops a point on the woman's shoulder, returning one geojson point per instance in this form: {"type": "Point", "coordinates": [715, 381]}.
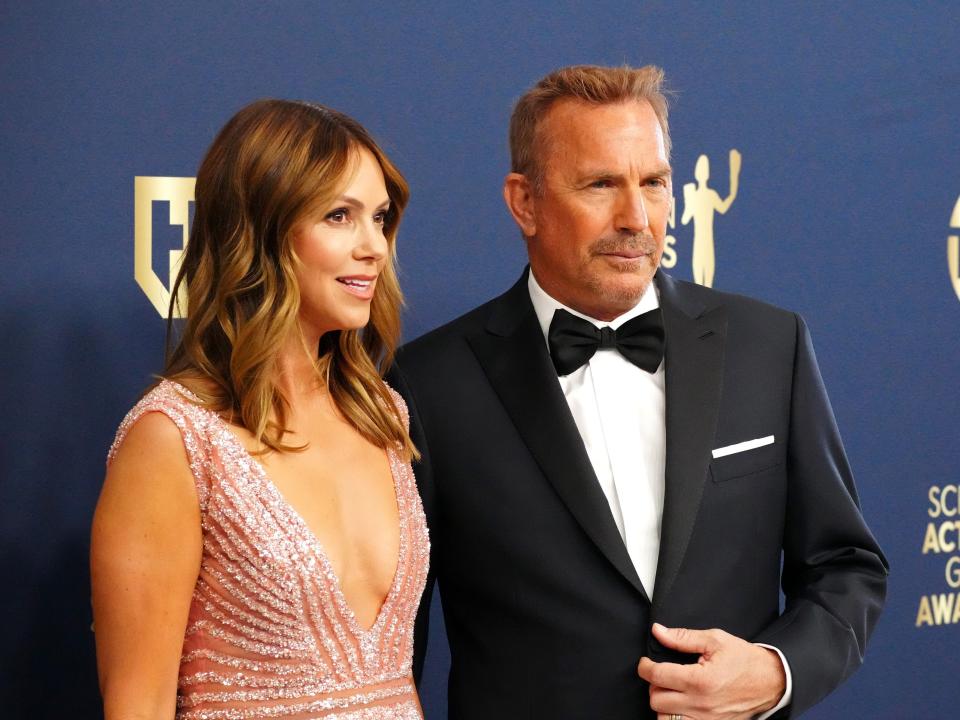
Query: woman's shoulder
{"type": "Point", "coordinates": [173, 414]}
{"type": "Point", "coordinates": [150, 438]}
{"type": "Point", "coordinates": [165, 410]}
{"type": "Point", "coordinates": [151, 491]}
{"type": "Point", "coordinates": [167, 429]}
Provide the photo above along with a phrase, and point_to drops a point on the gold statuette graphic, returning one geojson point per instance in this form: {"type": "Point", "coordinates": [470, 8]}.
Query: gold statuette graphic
{"type": "Point", "coordinates": [953, 249]}
{"type": "Point", "coordinates": [699, 204]}
{"type": "Point", "coordinates": [179, 193]}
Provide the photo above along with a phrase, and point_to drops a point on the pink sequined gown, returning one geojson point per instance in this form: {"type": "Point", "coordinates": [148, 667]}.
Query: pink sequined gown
{"type": "Point", "coordinates": [270, 633]}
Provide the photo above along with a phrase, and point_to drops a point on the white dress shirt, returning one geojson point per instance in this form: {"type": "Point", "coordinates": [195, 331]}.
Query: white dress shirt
{"type": "Point", "coordinates": [619, 410]}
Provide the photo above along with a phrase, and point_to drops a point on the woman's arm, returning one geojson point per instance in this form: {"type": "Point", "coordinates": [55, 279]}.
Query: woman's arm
{"type": "Point", "coordinates": [144, 560]}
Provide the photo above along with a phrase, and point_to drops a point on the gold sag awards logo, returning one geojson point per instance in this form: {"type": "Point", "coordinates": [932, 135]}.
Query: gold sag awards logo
{"type": "Point", "coordinates": [953, 249]}
{"type": "Point", "coordinates": [942, 537]}
{"type": "Point", "coordinates": [177, 192]}
{"type": "Point", "coordinates": [701, 203]}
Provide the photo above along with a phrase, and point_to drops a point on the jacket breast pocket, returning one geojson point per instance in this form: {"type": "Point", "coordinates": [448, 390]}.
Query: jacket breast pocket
{"type": "Point", "coordinates": [746, 463]}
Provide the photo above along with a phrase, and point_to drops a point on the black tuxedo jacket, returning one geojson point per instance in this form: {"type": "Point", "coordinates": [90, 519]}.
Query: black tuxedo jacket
{"type": "Point", "coordinates": [545, 614]}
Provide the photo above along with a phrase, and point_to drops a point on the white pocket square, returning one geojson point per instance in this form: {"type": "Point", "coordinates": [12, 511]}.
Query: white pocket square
{"type": "Point", "coordinates": [742, 446]}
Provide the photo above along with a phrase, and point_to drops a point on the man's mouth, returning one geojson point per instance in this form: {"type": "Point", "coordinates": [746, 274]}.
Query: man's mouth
{"type": "Point", "coordinates": [627, 254]}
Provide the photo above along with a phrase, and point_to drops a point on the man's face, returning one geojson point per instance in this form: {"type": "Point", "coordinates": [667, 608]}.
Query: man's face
{"type": "Point", "coordinates": [596, 228]}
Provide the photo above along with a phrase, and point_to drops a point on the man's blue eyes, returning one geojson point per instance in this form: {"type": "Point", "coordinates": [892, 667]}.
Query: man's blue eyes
{"type": "Point", "coordinates": [603, 184]}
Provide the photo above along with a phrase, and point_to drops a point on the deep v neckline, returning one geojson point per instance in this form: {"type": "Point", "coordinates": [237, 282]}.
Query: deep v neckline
{"type": "Point", "coordinates": [297, 519]}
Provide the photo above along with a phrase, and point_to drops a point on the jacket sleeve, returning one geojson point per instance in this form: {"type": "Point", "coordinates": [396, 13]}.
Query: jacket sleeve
{"type": "Point", "coordinates": [834, 573]}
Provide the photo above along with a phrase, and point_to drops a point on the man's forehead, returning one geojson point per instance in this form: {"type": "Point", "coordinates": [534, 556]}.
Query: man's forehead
{"type": "Point", "coordinates": [587, 133]}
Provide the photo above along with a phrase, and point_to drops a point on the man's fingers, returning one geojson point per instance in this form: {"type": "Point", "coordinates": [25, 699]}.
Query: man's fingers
{"type": "Point", "coordinates": [666, 703]}
{"type": "Point", "coordinates": [645, 669]}
{"type": "Point", "coordinates": [667, 676]}
{"type": "Point", "coordinates": [684, 640]}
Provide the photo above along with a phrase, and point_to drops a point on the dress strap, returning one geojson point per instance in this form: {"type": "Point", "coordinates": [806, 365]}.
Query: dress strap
{"type": "Point", "coordinates": [401, 405]}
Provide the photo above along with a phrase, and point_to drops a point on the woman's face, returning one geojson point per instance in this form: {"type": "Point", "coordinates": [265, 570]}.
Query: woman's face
{"type": "Point", "coordinates": [342, 251]}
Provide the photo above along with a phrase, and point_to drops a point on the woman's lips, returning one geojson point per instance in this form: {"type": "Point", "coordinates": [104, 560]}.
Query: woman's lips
{"type": "Point", "coordinates": [361, 286]}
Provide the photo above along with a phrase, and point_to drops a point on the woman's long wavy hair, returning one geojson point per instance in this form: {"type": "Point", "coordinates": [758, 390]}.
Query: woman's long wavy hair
{"type": "Point", "coordinates": [274, 164]}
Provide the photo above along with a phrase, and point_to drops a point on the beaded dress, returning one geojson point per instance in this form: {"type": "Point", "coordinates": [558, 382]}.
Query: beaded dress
{"type": "Point", "coordinates": [270, 634]}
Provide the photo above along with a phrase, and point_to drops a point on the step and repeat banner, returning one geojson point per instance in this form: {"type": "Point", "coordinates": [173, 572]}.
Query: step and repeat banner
{"type": "Point", "coordinates": [816, 166]}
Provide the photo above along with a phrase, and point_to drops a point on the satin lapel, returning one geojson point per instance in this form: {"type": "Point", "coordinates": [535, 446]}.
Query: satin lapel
{"type": "Point", "coordinates": [515, 359]}
{"type": "Point", "coordinates": [695, 337]}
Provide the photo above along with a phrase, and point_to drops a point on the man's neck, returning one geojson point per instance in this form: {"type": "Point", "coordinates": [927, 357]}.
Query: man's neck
{"type": "Point", "coordinates": [545, 305]}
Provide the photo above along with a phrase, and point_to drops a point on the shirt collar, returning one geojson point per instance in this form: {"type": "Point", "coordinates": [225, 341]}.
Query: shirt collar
{"type": "Point", "coordinates": [544, 306]}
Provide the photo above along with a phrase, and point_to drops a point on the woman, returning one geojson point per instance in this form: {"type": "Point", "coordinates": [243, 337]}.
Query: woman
{"type": "Point", "coordinates": [259, 548]}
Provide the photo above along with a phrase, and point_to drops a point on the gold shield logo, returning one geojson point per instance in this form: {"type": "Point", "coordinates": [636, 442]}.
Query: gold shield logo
{"type": "Point", "coordinates": [953, 250]}
{"type": "Point", "coordinates": [178, 192]}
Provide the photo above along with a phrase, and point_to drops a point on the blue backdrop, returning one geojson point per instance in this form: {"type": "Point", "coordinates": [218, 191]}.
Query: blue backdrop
{"type": "Point", "coordinates": [847, 117]}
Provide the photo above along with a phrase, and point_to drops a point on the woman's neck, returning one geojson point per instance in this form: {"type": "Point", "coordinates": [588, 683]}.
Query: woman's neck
{"type": "Point", "coordinates": [297, 375]}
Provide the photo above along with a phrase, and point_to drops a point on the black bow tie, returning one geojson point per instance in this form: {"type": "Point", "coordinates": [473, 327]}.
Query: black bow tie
{"type": "Point", "coordinates": [573, 340]}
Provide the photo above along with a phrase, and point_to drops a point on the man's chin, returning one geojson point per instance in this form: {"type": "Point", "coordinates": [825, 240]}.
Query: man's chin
{"type": "Point", "coordinates": [629, 287]}
{"type": "Point", "coordinates": [613, 296]}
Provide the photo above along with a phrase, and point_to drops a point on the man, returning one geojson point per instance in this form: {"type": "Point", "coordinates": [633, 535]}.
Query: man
{"type": "Point", "coordinates": [620, 469]}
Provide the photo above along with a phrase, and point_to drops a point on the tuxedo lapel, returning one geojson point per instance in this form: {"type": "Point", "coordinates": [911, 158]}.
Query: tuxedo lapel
{"type": "Point", "coordinates": [514, 357]}
{"type": "Point", "coordinates": [695, 337]}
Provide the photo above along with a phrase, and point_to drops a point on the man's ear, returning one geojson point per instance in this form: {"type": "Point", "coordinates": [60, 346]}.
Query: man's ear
{"type": "Point", "coordinates": [518, 194]}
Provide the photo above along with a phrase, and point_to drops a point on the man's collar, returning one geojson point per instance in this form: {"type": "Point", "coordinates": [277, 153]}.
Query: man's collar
{"type": "Point", "coordinates": [544, 306]}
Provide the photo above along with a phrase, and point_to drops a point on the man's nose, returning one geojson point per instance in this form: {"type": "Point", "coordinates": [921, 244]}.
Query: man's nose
{"type": "Point", "coordinates": [631, 216]}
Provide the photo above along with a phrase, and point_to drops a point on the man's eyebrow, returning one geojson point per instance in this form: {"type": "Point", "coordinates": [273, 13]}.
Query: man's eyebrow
{"type": "Point", "coordinates": [604, 174]}
{"type": "Point", "coordinates": [662, 171]}
{"type": "Point", "coordinates": [599, 174]}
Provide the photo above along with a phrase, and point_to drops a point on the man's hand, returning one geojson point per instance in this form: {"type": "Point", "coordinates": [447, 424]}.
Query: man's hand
{"type": "Point", "coordinates": [734, 680]}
